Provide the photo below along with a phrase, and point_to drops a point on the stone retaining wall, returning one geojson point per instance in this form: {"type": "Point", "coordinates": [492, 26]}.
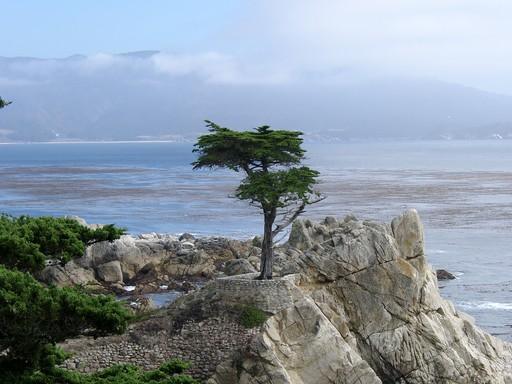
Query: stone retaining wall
{"type": "Point", "coordinates": [204, 344]}
{"type": "Point", "coordinates": [271, 296]}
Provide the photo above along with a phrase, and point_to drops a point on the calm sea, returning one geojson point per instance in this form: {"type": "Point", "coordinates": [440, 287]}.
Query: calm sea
{"type": "Point", "coordinates": [462, 189]}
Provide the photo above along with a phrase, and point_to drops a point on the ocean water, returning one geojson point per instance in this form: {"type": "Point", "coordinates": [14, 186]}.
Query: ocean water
{"type": "Point", "coordinates": [462, 190]}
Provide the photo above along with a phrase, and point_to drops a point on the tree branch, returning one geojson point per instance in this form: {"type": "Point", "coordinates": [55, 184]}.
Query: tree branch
{"type": "Point", "coordinates": [292, 216]}
{"type": "Point", "coordinates": [287, 221]}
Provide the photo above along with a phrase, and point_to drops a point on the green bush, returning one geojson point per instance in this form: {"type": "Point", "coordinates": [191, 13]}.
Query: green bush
{"type": "Point", "coordinates": [26, 242]}
{"type": "Point", "coordinates": [174, 366]}
{"type": "Point", "coordinates": [33, 318]}
{"type": "Point", "coordinates": [169, 373]}
{"type": "Point", "coordinates": [17, 252]}
{"type": "Point", "coordinates": [251, 317]}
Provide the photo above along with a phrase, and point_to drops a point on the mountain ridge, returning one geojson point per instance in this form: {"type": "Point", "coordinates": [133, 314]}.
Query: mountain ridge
{"type": "Point", "coordinates": [157, 95]}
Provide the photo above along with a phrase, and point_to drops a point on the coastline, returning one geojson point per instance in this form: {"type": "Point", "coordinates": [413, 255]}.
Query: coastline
{"type": "Point", "coordinates": [363, 309]}
{"type": "Point", "coordinates": [466, 208]}
{"type": "Point", "coordinates": [98, 142]}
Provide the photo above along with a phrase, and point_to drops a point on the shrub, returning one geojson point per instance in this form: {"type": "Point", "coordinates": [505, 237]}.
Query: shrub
{"type": "Point", "coordinates": [33, 318]}
{"type": "Point", "coordinates": [251, 317]}
{"type": "Point", "coordinates": [118, 374]}
{"type": "Point", "coordinates": [174, 366]}
{"type": "Point", "coordinates": [26, 242]}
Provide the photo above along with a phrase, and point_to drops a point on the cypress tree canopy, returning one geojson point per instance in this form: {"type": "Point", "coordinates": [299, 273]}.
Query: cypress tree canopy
{"type": "Point", "coordinates": [275, 179]}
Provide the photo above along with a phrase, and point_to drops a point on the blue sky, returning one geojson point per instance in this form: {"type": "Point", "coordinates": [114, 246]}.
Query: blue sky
{"type": "Point", "coordinates": [459, 41]}
{"type": "Point", "coordinates": [59, 28]}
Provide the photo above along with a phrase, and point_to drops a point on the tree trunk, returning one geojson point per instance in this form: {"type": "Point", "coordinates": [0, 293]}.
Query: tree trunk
{"type": "Point", "coordinates": [267, 249]}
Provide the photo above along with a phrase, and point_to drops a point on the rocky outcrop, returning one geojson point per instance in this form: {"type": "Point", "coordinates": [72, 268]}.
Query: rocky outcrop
{"type": "Point", "coordinates": [110, 272]}
{"type": "Point", "coordinates": [153, 259]}
{"type": "Point", "coordinates": [356, 303]}
{"type": "Point", "coordinates": [70, 274]}
{"type": "Point", "coordinates": [238, 267]}
{"type": "Point", "coordinates": [364, 308]}
{"type": "Point", "coordinates": [443, 274]}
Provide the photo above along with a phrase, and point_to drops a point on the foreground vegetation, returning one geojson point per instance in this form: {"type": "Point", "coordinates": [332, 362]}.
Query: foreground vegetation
{"type": "Point", "coordinates": [251, 316]}
{"type": "Point", "coordinates": [168, 373]}
{"type": "Point", "coordinates": [34, 317]}
{"type": "Point", "coordinates": [27, 243]}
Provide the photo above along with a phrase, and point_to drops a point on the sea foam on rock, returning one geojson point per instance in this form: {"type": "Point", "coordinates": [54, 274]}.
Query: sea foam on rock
{"type": "Point", "coordinates": [363, 308]}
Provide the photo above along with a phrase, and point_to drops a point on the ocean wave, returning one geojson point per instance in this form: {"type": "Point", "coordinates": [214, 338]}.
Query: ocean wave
{"type": "Point", "coordinates": [485, 305]}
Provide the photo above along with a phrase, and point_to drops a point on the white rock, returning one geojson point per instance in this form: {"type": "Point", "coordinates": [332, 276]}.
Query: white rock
{"type": "Point", "coordinates": [367, 309]}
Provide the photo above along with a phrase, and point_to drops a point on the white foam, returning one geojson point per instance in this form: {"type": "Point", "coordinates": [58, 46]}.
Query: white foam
{"type": "Point", "coordinates": [485, 305]}
{"type": "Point", "coordinates": [129, 288]}
{"type": "Point", "coordinates": [436, 251]}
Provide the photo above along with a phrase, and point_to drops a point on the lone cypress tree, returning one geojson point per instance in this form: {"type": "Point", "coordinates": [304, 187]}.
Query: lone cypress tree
{"type": "Point", "coordinates": [274, 179]}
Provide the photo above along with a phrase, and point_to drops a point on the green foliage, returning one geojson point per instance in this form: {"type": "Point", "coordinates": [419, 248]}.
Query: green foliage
{"type": "Point", "coordinates": [4, 103]}
{"type": "Point", "coordinates": [251, 317]}
{"type": "Point", "coordinates": [277, 189]}
{"type": "Point", "coordinates": [26, 242]}
{"type": "Point", "coordinates": [169, 373]}
{"type": "Point", "coordinates": [33, 318]}
{"type": "Point", "coordinates": [17, 252]}
{"type": "Point", "coordinates": [108, 232]}
{"type": "Point", "coordinates": [174, 366]}
{"type": "Point", "coordinates": [51, 356]}
{"type": "Point", "coordinates": [268, 158]}
{"type": "Point", "coordinates": [245, 150]}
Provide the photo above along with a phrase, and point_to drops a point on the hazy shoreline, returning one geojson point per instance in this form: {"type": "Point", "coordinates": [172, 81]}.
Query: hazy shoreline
{"type": "Point", "coordinates": [323, 140]}
{"type": "Point", "coordinates": [96, 142]}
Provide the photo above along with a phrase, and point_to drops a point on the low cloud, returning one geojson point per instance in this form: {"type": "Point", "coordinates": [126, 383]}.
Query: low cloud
{"type": "Point", "coordinates": [329, 41]}
{"type": "Point", "coordinates": [215, 68]}
{"type": "Point", "coordinates": [209, 67]}
{"type": "Point", "coordinates": [462, 41]}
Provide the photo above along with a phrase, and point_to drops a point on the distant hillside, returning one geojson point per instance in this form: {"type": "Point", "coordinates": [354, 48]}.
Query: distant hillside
{"type": "Point", "coordinates": [133, 96]}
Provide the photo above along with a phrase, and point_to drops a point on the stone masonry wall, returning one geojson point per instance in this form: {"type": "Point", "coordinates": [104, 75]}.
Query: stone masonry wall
{"type": "Point", "coordinates": [270, 296]}
{"type": "Point", "coordinates": [204, 344]}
